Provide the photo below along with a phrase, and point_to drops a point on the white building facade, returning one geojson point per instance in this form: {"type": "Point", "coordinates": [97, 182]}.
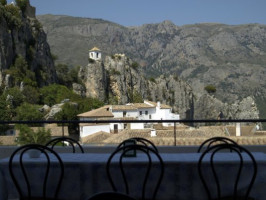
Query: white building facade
{"type": "Point", "coordinates": [132, 111]}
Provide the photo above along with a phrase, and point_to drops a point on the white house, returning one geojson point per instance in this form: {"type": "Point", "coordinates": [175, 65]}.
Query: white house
{"type": "Point", "coordinates": [132, 111]}
{"type": "Point", "coordinates": [95, 54]}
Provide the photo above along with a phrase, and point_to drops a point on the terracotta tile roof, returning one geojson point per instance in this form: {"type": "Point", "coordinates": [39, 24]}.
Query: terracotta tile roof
{"type": "Point", "coordinates": [100, 112]}
{"type": "Point", "coordinates": [123, 107]}
{"type": "Point", "coordinates": [95, 49]}
{"type": "Point", "coordinates": [142, 105]}
{"type": "Point", "coordinates": [162, 106]}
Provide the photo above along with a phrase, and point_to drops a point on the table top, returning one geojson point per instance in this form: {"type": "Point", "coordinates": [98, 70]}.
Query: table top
{"type": "Point", "coordinates": [85, 174]}
{"type": "Point", "coordinates": [167, 158]}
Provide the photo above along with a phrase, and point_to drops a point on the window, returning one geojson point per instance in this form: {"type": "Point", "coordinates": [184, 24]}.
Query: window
{"type": "Point", "coordinates": [124, 113]}
{"type": "Point", "coordinates": [140, 112]}
{"type": "Point", "coordinates": [146, 112]}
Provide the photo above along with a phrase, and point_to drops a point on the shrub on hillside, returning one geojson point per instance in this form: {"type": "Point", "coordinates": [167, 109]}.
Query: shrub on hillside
{"type": "Point", "coordinates": [210, 89]}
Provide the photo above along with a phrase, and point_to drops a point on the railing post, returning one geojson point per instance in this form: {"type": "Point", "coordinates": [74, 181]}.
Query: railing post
{"type": "Point", "coordinates": [63, 133]}
{"type": "Point", "coordinates": [175, 132]}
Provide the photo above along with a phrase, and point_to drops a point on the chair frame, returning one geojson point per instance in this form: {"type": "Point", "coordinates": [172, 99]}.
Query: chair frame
{"type": "Point", "coordinates": [239, 150]}
{"type": "Point", "coordinates": [212, 140]}
{"type": "Point", "coordinates": [71, 141]}
{"type": "Point", "coordinates": [43, 150]}
{"type": "Point", "coordinates": [147, 151]}
{"type": "Point", "coordinates": [141, 140]}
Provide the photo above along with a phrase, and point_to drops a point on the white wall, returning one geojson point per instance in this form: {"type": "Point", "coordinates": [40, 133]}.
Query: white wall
{"type": "Point", "coordinates": [88, 130]}
{"type": "Point", "coordinates": [151, 111]}
{"type": "Point", "coordinates": [119, 125]}
{"type": "Point", "coordinates": [129, 113]}
{"type": "Point", "coordinates": [137, 125]}
{"type": "Point", "coordinates": [95, 55]}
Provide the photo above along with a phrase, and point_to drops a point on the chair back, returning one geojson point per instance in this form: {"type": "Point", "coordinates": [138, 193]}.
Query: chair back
{"type": "Point", "coordinates": [214, 141]}
{"type": "Point", "coordinates": [140, 141]}
{"type": "Point", "coordinates": [18, 157]}
{"type": "Point", "coordinates": [242, 156]}
{"type": "Point", "coordinates": [148, 157]}
{"type": "Point", "coordinates": [72, 142]}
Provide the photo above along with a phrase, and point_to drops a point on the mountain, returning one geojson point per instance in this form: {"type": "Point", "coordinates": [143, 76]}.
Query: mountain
{"type": "Point", "coordinates": [230, 57]}
{"type": "Point", "coordinates": [22, 36]}
{"type": "Point", "coordinates": [119, 80]}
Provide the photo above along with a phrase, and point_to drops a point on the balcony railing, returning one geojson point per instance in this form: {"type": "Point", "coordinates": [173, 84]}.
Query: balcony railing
{"type": "Point", "coordinates": [171, 133]}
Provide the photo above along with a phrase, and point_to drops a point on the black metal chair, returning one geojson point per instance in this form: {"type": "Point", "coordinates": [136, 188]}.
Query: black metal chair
{"type": "Point", "coordinates": [72, 142]}
{"type": "Point", "coordinates": [214, 141]}
{"type": "Point", "coordinates": [243, 156]}
{"type": "Point", "coordinates": [24, 185]}
{"type": "Point", "coordinates": [139, 140]}
{"type": "Point", "coordinates": [119, 160]}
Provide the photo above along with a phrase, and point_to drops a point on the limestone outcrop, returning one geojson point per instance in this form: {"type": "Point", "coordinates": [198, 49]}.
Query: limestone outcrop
{"type": "Point", "coordinates": [119, 80]}
{"type": "Point", "coordinates": [22, 35]}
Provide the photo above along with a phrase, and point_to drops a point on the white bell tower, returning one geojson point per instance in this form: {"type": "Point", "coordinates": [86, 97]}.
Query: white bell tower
{"type": "Point", "coordinates": [95, 54]}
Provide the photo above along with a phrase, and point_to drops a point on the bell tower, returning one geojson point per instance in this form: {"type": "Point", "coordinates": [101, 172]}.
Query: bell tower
{"type": "Point", "coordinates": [95, 54]}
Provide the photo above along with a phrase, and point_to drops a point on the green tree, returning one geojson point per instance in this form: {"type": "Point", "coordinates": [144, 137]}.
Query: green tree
{"type": "Point", "coordinates": [211, 89]}
{"type": "Point", "coordinates": [69, 112]}
{"type": "Point", "coordinates": [87, 104]}
{"type": "Point", "coordinates": [63, 74]}
{"type": "Point", "coordinates": [14, 97]}
{"type": "Point", "coordinates": [66, 75]}
{"type": "Point", "coordinates": [135, 65]}
{"type": "Point", "coordinates": [31, 94]}
{"type": "Point", "coordinates": [28, 136]}
{"type": "Point", "coordinates": [3, 2]}
{"type": "Point", "coordinates": [73, 73]}
{"type": "Point", "coordinates": [12, 16]}
{"type": "Point", "coordinates": [28, 112]}
{"type": "Point", "coordinates": [135, 96]}
{"type": "Point", "coordinates": [54, 93]}
{"type": "Point", "coordinates": [5, 114]}
{"type": "Point", "coordinates": [22, 4]}
{"type": "Point", "coordinates": [20, 72]}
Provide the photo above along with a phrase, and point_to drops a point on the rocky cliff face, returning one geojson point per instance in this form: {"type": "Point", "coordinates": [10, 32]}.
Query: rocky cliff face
{"type": "Point", "coordinates": [119, 80]}
{"type": "Point", "coordinates": [232, 58]}
{"type": "Point", "coordinates": [22, 35]}
{"type": "Point", "coordinates": [209, 107]}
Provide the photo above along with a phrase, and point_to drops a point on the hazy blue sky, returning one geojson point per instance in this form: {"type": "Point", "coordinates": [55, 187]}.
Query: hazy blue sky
{"type": "Point", "coordinates": [138, 12]}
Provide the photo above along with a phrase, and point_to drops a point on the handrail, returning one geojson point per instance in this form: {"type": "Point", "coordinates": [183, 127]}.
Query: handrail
{"type": "Point", "coordinates": [135, 121]}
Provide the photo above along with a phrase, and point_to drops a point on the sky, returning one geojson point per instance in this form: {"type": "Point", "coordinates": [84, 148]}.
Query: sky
{"type": "Point", "coordinates": [139, 12]}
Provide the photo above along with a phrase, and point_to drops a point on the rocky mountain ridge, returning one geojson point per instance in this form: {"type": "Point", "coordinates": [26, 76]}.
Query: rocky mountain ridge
{"type": "Point", "coordinates": [230, 57]}
{"type": "Point", "coordinates": [118, 79]}
{"type": "Point", "coordinates": [22, 35]}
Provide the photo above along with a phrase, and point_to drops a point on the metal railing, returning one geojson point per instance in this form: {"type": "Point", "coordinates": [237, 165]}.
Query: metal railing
{"type": "Point", "coordinates": [191, 123]}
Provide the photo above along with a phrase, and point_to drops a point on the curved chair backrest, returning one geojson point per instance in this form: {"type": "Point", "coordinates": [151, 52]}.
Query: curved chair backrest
{"type": "Point", "coordinates": [214, 141]}
{"type": "Point", "coordinates": [141, 141]}
{"type": "Point", "coordinates": [72, 142]}
{"type": "Point", "coordinates": [149, 155]}
{"type": "Point", "coordinates": [243, 156]}
{"type": "Point", "coordinates": [47, 154]}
